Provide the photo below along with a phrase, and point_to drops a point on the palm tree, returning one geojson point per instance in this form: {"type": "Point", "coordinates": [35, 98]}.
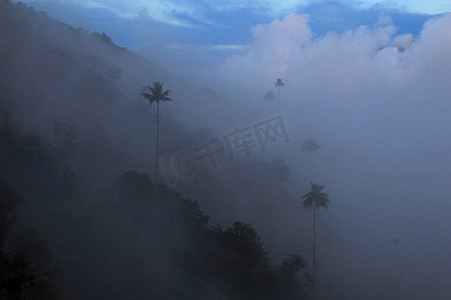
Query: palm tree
{"type": "Point", "coordinates": [279, 83]}
{"type": "Point", "coordinates": [310, 146]}
{"type": "Point", "coordinates": [316, 199]}
{"type": "Point", "coordinates": [157, 95]}
{"type": "Point", "coordinates": [269, 96]}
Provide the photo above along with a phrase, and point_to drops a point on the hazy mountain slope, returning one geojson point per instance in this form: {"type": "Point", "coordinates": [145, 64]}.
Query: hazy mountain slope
{"type": "Point", "coordinates": [71, 121]}
{"type": "Point", "coordinates": [53, 72]}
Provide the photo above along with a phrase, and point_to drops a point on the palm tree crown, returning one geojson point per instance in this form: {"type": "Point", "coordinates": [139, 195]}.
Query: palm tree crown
{"type": "Point", "coordinates": [157, 93]}
{"type": "Point", "coordinates": [310, 145]}
{"type": "Point", "coordinates": [279, 83]}
{"type": "Point", "coordinates": [315, 198]}
{"type": "Point", "coordinates": [269, 96]}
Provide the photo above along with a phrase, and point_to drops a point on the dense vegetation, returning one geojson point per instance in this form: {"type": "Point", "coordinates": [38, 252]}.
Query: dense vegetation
{"type": "Point", "coordinates": [131, 239]}
{"type": "Point", "coordinates": [27, 269]}
{"type": "Point", "coordinates": [185, 256]}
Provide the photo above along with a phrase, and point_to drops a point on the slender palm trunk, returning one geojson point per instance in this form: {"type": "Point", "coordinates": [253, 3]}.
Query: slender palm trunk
{"type": "Point", "coordinates": [314, 252]}
{"type": "Point", "coordinates": [158, 135]}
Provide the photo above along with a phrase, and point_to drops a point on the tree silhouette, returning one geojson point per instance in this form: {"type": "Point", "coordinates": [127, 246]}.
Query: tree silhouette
{"type": "Point", "coordinates": [269, 96]}
{"type": "Point", "coordinates": [311, 145]}
{"type": "Point", "coordinates": [27, 269]}
{"type": "Point", "coordinates": [279, 83]}
{"type": "Point", "coordinates": [290, 285]}
{"type": "Point", "coordinates": [157, 95]}
{"type": "Point", "coordinates": [316, 199]}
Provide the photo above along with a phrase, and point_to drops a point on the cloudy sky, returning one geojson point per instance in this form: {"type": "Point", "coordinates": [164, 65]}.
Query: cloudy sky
{"type": "Point", "coordinates": [209, 31]}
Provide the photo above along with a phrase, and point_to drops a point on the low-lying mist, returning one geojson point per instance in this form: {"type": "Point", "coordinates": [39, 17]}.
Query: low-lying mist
{"type": "Point", "coordinates": [377, 104]}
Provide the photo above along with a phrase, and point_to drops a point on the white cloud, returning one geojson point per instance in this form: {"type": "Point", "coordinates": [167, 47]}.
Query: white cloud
{"type": "Point", "coordinates": [355, 63]}
{"type": "Point", "coordinates": [276, 45]}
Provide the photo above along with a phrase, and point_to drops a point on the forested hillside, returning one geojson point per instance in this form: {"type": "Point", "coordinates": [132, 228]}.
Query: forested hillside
{"type": "Point", "coordinates": [72, 126]}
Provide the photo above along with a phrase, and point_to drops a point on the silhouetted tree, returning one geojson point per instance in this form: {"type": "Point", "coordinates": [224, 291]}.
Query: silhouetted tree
{"type": "Point", "coordinates": [311, 145]}
{"type": "Point", "coordinates": [103, 37]}
{"type": "Point", "coordinates": [289, 266]}
{"type": "Point", "coordinates": [290, 285]}
{"type": "Point", "coordinates": [133, 185]}
{"type": "Point", "coordinates": [242, 262]}
{"type": "Point", "coordinates": [279, 83]}
{"type": "Point", "coordinates": [26, 263]}
{"type": "Point", "coordinates": [280, 169]}
{"type": "Point", "coordinates": [269, 96]}
{"type": "Point", "coordinates": [157, 95]}
{"type": "Point", "coordinates": [243, 237]}
{"type": "Point", "coordinates": [316, 199]}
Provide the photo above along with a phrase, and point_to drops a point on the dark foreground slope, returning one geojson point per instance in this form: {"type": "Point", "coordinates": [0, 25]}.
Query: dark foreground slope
{"type": "Point", "coordinates": [134, 239]}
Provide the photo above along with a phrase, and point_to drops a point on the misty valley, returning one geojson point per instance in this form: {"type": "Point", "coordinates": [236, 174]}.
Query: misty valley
{"type": "Point", "coordinates": [301, 166]}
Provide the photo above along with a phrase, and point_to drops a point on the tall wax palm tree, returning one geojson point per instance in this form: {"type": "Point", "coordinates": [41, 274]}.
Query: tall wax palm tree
{"type": "Point", "coordinates": [316, 199]}
{"type": "Point", "coordinates": [279, 83]}
{"type": "Point", "coordinates": [157, 95]}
